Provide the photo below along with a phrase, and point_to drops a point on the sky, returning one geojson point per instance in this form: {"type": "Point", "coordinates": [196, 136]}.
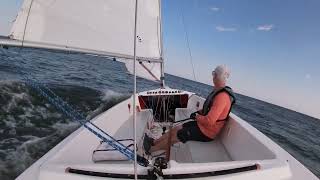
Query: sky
{"type": "Point", "coordinates": [272, 47]}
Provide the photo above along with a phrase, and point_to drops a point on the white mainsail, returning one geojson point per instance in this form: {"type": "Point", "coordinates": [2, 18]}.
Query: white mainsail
{"type": "Point", "coordinates": [92, 26]}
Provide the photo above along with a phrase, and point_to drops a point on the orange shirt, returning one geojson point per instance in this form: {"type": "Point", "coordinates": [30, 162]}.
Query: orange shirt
{"type": "Point", "coordinates": [219, 110]}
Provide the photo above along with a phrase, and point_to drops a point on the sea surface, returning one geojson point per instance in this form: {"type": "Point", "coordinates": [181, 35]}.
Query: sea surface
{"type": "Point", "coordinates": [30, 126]}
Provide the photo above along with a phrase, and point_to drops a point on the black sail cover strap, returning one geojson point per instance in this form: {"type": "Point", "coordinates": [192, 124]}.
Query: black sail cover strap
{"type": "Point", "coordinates": [209, 100]}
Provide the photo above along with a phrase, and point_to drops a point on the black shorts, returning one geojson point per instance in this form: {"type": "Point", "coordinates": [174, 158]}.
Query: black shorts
{"type": "Point", "coordinates": [191, 132]}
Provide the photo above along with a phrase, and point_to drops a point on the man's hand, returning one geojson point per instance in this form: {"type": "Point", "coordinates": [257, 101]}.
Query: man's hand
{"type": "Point", "coordinates": [193, 115]}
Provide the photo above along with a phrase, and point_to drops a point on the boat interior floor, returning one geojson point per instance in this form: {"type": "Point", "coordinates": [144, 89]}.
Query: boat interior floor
{"type": "Point", "coordinates": [190, 152]}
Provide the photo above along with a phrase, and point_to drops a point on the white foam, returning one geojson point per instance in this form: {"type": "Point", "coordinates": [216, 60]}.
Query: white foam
{"type": "Point", "coordinates": [109, 94]}
{"type": "Point", "coordinates": [9, 88]}
{"type": "Point", "coordinates": [18, 159]}
{"type": "Point", "coordinates": [10, 122]}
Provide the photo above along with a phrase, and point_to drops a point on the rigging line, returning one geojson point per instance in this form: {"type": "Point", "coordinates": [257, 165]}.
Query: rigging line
{"type": "Point", "coordinates": [188, 42]}
{"type": "Point", "coordinates": [76, 116]}
{"type": "Point", "coordinates": [169, 140]}
{"type": "Point", "coordinates": [159, 105]}
{"type": "Point", "coordinates": [90, 126]}
{"type": "Point", "coordinates": [150, 117]}
{"type": "Point", "coordinates": [171, 99]}
{"type": "Point", "coordinates": [171, 105]}
{"type": "Point", "coordinates": [149, 71]}
{"type": "Point", "coordinates": [152, 104]}
{"type": "Point", "coordinates": [56, 97]}
{"type": "Point", "coordinates": [147, 107]}
{"type": "Point", "coordinates": [70, 111]}
{"type": "Point", "coordinates": [168, 108]}
{"type": "Point", "coordinates": [165, 108]}
{"type": "Point", "coordinates": [156, 109]}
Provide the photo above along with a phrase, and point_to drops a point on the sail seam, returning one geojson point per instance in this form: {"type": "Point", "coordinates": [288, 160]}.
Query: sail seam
{"type": "Point", "coordinates": [26, 24]}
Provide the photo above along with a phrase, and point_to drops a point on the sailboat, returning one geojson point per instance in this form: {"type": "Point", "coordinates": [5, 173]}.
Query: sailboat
{"type": "Point", "coordinates": [107, 145]}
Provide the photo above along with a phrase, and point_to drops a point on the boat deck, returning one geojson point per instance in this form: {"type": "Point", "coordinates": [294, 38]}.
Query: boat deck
{"type": "Point", "coordinates": [238, 145]}
{"type": "Point", "coordinates": [199, 152]}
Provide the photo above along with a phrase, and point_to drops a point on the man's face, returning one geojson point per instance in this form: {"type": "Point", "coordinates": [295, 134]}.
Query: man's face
{"type": "Point", "coordinates": [214, 77]}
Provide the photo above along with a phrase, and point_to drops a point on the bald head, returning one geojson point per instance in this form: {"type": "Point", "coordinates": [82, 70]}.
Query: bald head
{"type": "Point", "coordinates": [220, 74]}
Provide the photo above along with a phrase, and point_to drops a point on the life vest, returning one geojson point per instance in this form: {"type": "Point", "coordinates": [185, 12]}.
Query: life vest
{"type": "Point", "coordinates": [208, 102]}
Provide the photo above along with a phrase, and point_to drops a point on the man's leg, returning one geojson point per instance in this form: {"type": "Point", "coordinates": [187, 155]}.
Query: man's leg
{"type": "Point", "coordinates": [162, 142]}
{"type": "Point", "coordinates": [165, 136]}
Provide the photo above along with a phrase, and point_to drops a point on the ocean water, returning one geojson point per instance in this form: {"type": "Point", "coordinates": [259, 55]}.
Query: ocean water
{"type": "Point", "coordinates": [30, 126]}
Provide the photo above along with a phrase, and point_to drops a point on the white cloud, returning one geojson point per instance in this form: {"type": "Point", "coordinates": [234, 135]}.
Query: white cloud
{"type": "Point", "coordinates": [225, 29]}
{"type": "Point", "coordinates": [266, 27]}
{"type": "Point", "coordinates": [308, 76]}
{"type": "Point", "coordinates": [215, 9]}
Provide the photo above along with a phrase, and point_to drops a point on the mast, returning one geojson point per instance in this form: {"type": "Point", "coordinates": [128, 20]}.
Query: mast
{"type": "Point", "coordinates": [135, 89]}
{"type": "Point", "coordinates": [161, 45]}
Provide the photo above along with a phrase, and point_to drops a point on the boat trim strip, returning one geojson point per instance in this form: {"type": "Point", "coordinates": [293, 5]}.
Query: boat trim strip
{"type": "Point", "coordinates": [165, 176]}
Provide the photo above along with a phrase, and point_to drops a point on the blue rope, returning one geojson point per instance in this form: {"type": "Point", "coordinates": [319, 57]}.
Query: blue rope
{"type": "Point", "coordinates": [77, 116]}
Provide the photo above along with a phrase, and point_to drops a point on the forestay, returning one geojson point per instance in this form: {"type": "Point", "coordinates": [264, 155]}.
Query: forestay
{"type": "Point", "coordinates": [92, 26]}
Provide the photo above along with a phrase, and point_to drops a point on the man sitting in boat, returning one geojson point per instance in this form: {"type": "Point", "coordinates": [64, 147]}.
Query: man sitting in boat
{"type": "Point", "coordinates": [208, 122]}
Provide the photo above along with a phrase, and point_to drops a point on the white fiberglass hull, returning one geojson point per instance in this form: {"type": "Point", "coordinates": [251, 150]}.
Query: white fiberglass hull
{"type": "Point", "coordinates": [239, 145]}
